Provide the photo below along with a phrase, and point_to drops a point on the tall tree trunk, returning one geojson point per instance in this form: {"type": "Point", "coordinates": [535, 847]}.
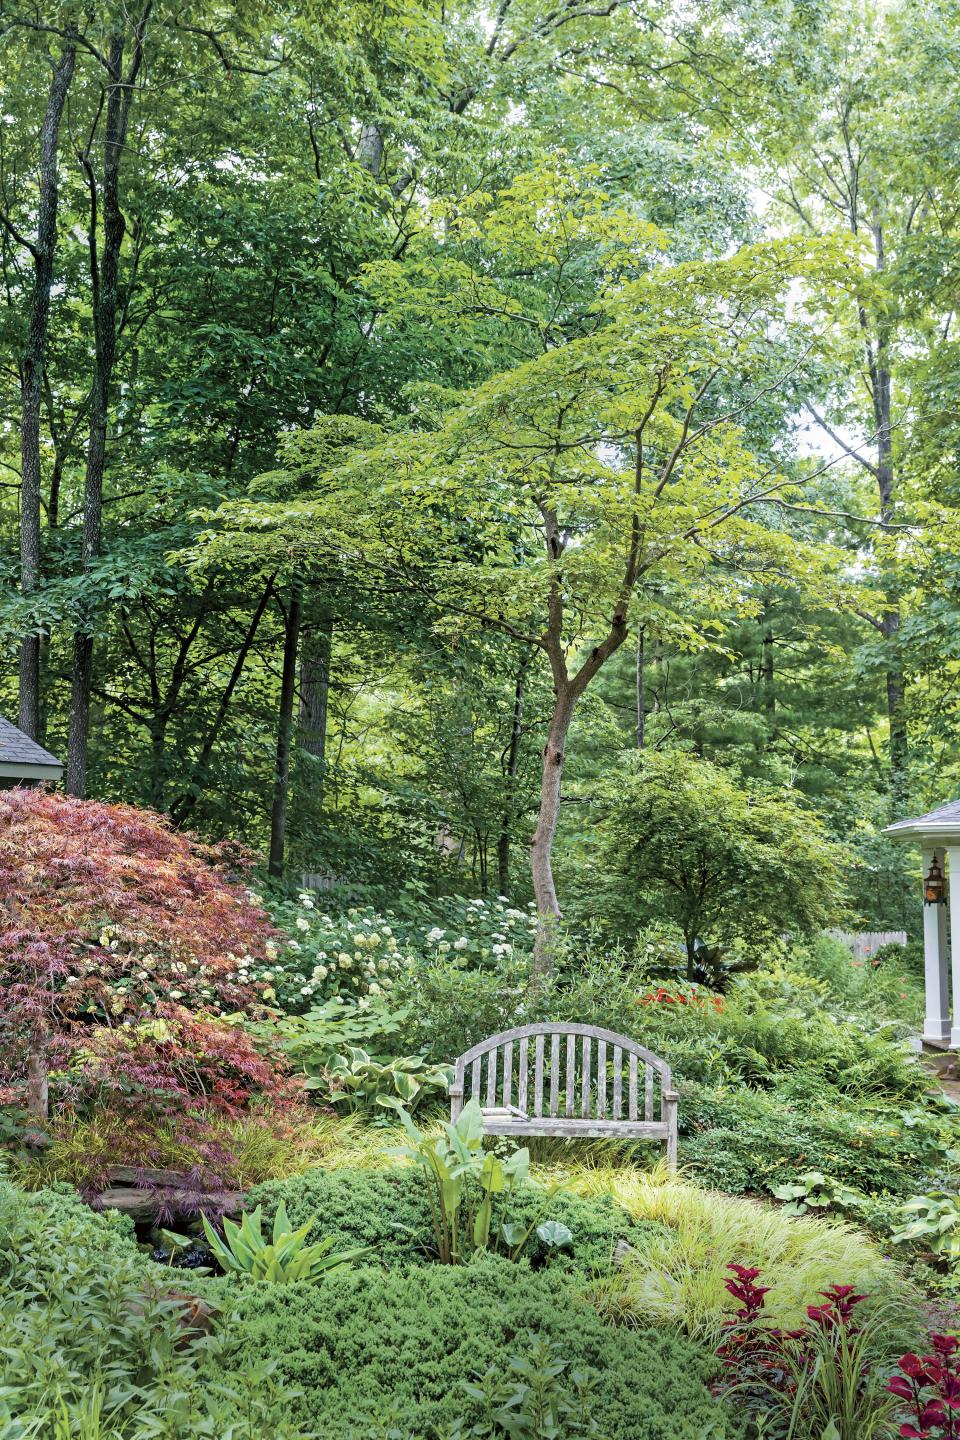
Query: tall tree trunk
{"type": "Point", "coordinates": [104, 285]}
{"type": "Point", "coordinates": [881, 384]}
{"type": "Point", "coordinates": [641, 686]}
{"type": "Point", "coordinates": [512, 767]}
{"type": "Point", "coordinates": [281, 779]}
{"type": "Point", "coordinates": [541, 848]}
{"type": "Point", "coordinates": [767, 666]}
{"type": "Point", "coordinates": [316, 653]}
{"type": "Point", "coordinates": [32, 382]}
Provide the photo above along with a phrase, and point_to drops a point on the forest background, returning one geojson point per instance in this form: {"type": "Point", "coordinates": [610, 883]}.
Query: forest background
{"type": "Point", "coordinates": [325, 367]}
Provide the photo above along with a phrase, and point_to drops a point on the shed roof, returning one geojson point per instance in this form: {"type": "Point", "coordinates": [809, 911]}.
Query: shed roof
{"type": "Point", "coordinates": [940, 824]}
{"type": "Point", "coordinates": [24, 758]}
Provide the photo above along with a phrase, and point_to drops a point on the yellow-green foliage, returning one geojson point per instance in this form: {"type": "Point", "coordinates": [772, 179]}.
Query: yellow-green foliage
{"type": "Point", "coordinates": [260, 1147]}
{"type": "Point", "coordinates": [677, 1274]}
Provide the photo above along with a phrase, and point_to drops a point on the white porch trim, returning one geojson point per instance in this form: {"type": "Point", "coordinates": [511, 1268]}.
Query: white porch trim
{"type": "Point", "coordinates": [936, 1026]}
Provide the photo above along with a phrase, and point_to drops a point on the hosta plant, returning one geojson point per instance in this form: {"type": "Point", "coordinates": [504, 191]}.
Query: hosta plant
{"type": "Point", "coordinates": [470, 1188]}
{"type": "Point", "coordinates": [286, 1257]}
{"type": "Point", "coordinates": [815, 1191]}
{"type": "Point", "coordinates": [933, 1220]}
{"type": "Point", "coordinates": [356, 1081]}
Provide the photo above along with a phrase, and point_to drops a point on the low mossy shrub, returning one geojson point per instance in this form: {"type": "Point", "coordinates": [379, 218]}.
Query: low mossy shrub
{"type": "Point", "coordinates": [376, 1354]}
{"type": "Point", "coordinates": [739, 1139]}
{"type": "Point", "coordinates": [389, 1210]}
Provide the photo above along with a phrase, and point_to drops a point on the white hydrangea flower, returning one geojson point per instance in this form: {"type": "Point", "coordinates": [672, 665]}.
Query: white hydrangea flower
{"type": "Point", "coordinates": [294, 946]}
{"type": "Point", "coordinates": [435, 934]}
{"type": "Point", "coordinates": [302, 924]}
{"type": "Point", "coordinates": [374, 988]}
{"type": "Point", "coordinates": [461, 944]}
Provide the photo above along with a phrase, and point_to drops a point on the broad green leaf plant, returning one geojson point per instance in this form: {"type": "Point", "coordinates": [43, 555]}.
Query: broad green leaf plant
{"type": "Point", "coordinates": [283, 1259]}
{"type": "Point", "coordinates": [467, 1185]}
{"type": "Point", "coordinates": [934, 1221]}
{"type": "Point", "coordinates": [357, 1081]}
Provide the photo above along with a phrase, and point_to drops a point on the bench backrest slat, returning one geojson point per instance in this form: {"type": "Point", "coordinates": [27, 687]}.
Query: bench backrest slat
{"type": "Point", "coordinates": [554, 1075]}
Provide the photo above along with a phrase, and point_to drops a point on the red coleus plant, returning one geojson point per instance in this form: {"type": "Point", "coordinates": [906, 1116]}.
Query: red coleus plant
{"type": "Point", "coordinates": [664, 996]}
{"type": "Point", "coordinates": [930, 1384]}
{"type": "Point", "coordinates": [106, 915]}
{"type": "Point", "coordinates": [759, 1357]}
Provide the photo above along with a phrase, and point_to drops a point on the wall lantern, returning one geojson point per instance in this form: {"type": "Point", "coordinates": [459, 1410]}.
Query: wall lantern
{"type": "Point", "coordinates": [935, 887]}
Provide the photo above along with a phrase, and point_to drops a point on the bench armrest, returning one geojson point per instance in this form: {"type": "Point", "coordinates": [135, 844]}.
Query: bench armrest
{"type": "Point", "coordinates": [671, 1095]}
{"type": "Point", "coordinates": [455, 1092]}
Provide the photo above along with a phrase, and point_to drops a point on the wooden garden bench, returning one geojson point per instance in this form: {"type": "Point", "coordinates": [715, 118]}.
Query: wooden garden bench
{"type": "Point", "coordinates": [575, 1081]}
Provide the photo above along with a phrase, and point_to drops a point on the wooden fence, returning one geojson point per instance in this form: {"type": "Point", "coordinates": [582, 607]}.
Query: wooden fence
{"type": "Point", "coordinates": [866, 942]}
{"type": "Point", "coordinates": [323, 882]}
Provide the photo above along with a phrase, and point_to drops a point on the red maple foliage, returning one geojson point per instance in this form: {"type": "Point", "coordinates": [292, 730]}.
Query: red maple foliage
{"type": "Point", "coordinates": [109, 918]}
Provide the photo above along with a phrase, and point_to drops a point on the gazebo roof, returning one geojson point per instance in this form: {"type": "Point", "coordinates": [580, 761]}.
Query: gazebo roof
{"type": "Point", "coordinates": [942, 824]}
{"type": "Point", "coordinates": [22, 758]}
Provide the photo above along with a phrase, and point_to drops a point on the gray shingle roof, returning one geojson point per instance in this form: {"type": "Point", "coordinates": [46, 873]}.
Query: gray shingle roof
{"type": "Point", "coordinates": [944, 816]}
{"type": "Point", "coordinates": [18, 749]}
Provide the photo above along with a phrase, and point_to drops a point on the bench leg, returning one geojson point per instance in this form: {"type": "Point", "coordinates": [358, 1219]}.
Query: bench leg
{"type": "Point", "coordinates": [670, 1106]}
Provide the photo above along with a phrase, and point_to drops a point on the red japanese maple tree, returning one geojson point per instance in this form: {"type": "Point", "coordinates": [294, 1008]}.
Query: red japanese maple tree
{"type": "Point", "coordinates": [108, 917]}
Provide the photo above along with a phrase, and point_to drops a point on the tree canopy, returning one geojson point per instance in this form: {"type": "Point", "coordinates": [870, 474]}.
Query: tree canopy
{"type": "Point", "coordinates": [410, 409]}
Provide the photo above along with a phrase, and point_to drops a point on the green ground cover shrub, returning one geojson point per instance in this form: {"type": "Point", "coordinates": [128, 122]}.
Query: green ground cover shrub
{"type": "Point", "coordinates": [389, 1210]}
{"type": "Point", "coordinates": [375, 1354]}
{"type": "Point", "coordinates": [740, 1139]}
{"type": "Point", "coordinates": [96, 1341]}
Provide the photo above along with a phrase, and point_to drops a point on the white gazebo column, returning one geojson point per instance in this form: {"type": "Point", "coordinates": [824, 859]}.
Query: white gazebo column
{"type": "Point", "coordinates": [936, 1026]}
{"type": "Point", "coordinates": [953, 861]}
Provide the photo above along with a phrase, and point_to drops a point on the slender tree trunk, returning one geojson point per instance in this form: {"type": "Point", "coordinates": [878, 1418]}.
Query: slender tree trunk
{"type": "Point", "coordinates": [281, 781]}
{"type": "Point", "coordinates": [541, 848]}
{"type": "Point", "coordinates": [767, 668]}
{"type": "Point", "coordinates": [512, 767]}
{"type": "Point", "coordinates": [878, 365]}
{"type": "Point", "coordinates": [183, 806]}
{"type": "Point", "coordinates": [104, 285]}
{"type": "Point", "coordinates": [316, 653]}
{"type": "Point", "coordinates": [32, 382]}
{"type": "Point", "coordinates": [38, 1076]}
{"type": "Point", "coordinates": [641, 687]}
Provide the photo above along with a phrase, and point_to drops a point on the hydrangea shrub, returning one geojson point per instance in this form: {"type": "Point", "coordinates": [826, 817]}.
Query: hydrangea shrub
{"type": "Point", "coordinates": [361, 954]}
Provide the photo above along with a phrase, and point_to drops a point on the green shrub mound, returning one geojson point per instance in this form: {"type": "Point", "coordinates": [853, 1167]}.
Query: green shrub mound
{"type": "Point", "coordinates": [741, 1140]}
{"type": "Point", "coordinates": [377, 1354]}
{"type": "Point", "coordinates": [389, 1209]}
